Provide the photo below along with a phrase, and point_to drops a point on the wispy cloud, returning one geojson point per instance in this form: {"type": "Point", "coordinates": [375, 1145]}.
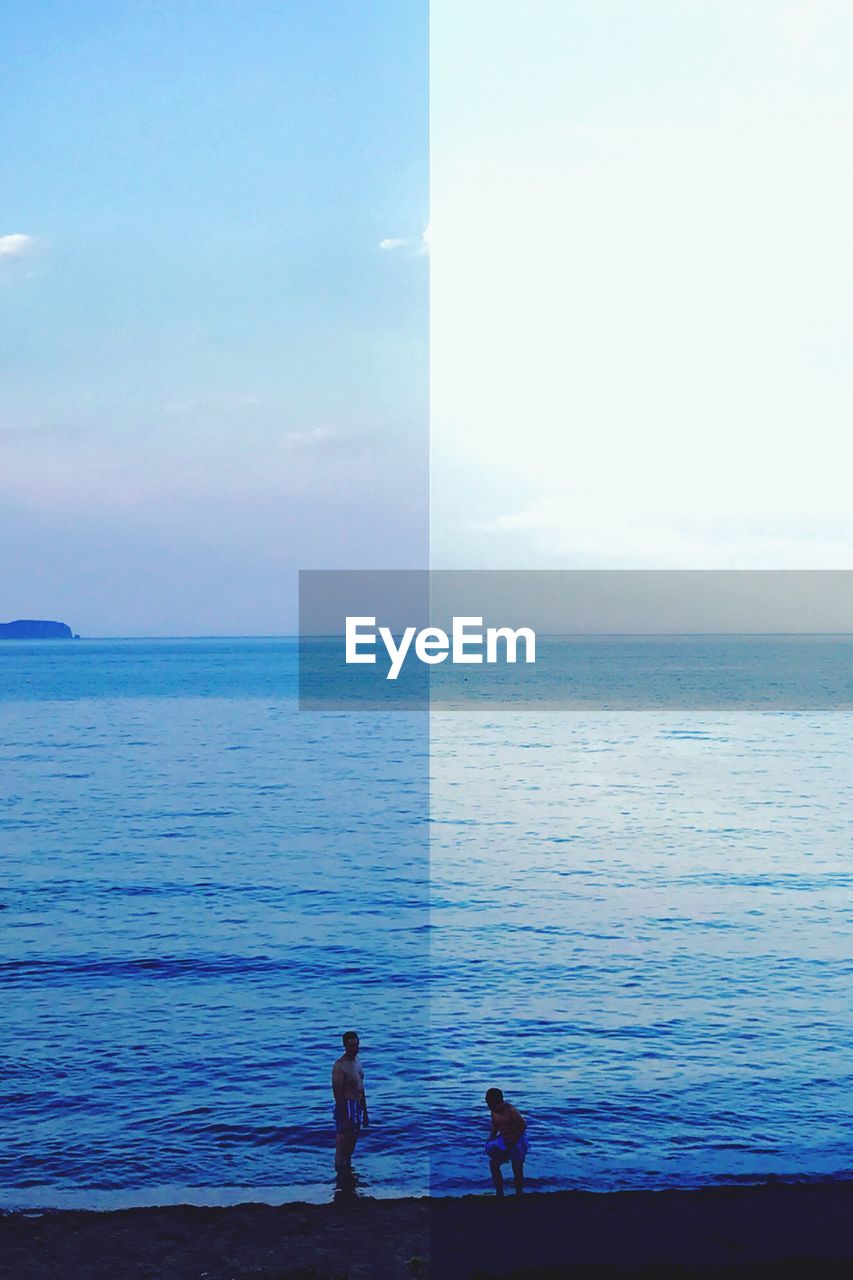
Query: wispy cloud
{"type": "Point", "coordinates": [229, 402]}
{"type": "Point", "coordinates": [417, 247]}
{"type": "Point", "coordinates": [325, 439]}
{"type": "Point", "coordinates": [588, 534]}
{"type": "Point", "coordinates": [308, 438]}
{"type": "Point", "coordinates": [16, 245]}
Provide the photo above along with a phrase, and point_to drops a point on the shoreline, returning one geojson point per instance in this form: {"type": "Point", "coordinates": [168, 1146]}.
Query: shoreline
{"type": "Point", "coordinates": [772, 1228]}
{"type": "Point", "coordinates": [295, 1195]}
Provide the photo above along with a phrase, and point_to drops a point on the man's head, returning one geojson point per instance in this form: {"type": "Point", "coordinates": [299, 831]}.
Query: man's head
{"type": "Point", "coordinates": [494, 1098]}
{"type": "Point", "coordinates": [350, 1039]}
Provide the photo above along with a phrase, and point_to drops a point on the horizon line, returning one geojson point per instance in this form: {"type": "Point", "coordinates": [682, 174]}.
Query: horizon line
{"type": "Point", "coordinates": [333, 635]}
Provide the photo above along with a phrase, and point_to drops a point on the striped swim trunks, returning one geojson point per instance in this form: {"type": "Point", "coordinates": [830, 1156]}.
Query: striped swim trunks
{"type": "Point", "coordinates": [347, 1116]}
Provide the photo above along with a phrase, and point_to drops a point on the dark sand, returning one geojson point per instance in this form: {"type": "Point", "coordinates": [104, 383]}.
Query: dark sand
{"type": "Point", "coordinates": [778, 1230]}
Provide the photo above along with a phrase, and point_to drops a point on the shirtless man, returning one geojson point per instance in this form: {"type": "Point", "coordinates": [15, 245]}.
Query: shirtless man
{"type": "Point", "coordinates": [507, 1141]}
{"type": "Point", "coordinates": [350, 1102]}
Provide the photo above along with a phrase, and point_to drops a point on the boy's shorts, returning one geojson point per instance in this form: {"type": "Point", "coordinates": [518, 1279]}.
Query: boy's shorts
{"type": "Point", "coordinates": [497, 1149]}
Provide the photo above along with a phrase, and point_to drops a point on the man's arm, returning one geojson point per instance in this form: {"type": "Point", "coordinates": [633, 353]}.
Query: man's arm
{"type": "Point", "coordinates": [365, 1119]}
{"type": "Point", "coordinates": [338, 1091]}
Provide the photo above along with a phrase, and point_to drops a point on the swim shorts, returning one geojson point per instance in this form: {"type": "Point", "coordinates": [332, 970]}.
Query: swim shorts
{"type": "Point", "coordinates": [347, 1116]}
{"type": "Point", "coordinates": [497, 1149]}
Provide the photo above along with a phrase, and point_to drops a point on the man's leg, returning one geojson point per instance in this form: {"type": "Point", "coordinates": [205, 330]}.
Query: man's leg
{"type": "Point", "coordinates": [518, 1175]}
{"type": "Point", "coordinates": [344, 1147]}
{"type": "Point", "coordinates": [497, 1176]}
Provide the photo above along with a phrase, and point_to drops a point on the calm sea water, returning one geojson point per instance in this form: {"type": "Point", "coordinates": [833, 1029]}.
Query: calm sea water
{"type": "Point", "coordinates": [636, 921]}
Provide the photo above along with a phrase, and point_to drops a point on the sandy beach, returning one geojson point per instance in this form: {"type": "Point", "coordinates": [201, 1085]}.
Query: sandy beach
{"type": "Point", "coordinates": [774, 1230]}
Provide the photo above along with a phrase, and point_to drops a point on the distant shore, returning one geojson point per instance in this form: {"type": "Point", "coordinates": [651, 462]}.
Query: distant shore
{"type": "Point", "coordinates": [36, 629]}
{"type": "Point", "coordinates": [778, 1229]}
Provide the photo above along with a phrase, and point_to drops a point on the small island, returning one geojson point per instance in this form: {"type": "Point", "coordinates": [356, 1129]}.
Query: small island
{"type": "Point", "coordinates": [36, 629]}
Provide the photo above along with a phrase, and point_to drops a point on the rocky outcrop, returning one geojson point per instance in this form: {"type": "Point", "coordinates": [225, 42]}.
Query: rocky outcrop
{"type": "Point", "coordinates": [35, 629]}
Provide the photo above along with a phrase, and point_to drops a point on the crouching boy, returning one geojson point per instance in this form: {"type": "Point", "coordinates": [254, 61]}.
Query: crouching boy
{"type": "Point", "coordinates": [507, 1141]}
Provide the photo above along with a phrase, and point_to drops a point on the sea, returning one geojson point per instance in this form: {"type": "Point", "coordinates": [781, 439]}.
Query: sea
{"type": "Point", "coordinates": [631, 912]}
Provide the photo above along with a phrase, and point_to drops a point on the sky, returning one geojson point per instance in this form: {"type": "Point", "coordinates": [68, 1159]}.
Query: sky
{"type": "Point", "coordinates": [214, 286]}
{"type": "Point", "coordinates": [213, 306]}
{"type": "Point", "coordinates": [642, 284]}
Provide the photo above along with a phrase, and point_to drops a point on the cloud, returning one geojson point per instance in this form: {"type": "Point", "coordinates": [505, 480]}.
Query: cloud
{"type": "Point", "coordinates": [16, 245]}
{"type": "Point", "coordinates": [418, 247]}
{"type": "Point", "coordinates": [308, 438]}
{"type": "Point", "coordinates": [322, 439]}
{"type": "Point", "coordinates": [590, 534]}
{"type": "Point", "coordinates": [228, 402]}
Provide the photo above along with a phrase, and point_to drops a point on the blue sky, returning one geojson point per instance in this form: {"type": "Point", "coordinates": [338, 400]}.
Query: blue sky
{"type": "Point", "coordinates": [212, 374]}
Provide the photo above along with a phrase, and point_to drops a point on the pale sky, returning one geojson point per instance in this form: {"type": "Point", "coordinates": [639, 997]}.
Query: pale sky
{"type": "Point", "coordinates": [642, 283]}
{"type": "Point", "coordinates": [213, 306]}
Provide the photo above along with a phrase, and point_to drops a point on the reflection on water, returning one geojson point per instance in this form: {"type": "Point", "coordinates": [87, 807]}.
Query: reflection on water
{"type": "Point", "coordinates": [641, 932]}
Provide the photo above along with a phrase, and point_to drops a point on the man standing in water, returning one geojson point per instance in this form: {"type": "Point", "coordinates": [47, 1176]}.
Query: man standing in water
{"type": "Point", "coordinates": [350, 1102]}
